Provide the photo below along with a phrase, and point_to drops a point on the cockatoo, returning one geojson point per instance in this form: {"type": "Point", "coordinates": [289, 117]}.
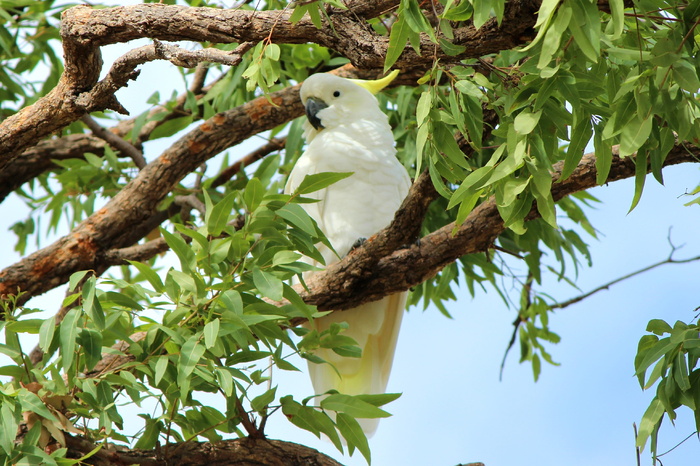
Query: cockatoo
{"type": "Point", "coordinates": [346, 131]}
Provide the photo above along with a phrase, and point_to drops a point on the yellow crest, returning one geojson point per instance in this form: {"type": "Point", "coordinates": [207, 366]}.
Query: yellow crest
{"type": "Point", "coordinates": [376, 85]}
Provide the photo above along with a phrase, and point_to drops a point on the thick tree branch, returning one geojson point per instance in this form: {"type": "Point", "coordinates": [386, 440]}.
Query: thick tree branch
{"type": "Point", "coordinates": [242, 451]}
{"type": "Point", "coordinates": [39, 158]}
{"type": "Point", "coordinates": [127, 217]}
{"type": "Point", "coordinates": [346, 284]}
{"type": "Point", "coordinates": [84, 30]}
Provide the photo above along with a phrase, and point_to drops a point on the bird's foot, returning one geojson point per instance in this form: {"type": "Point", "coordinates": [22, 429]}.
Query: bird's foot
{"type": "Point", "coordinates": [358, 242]}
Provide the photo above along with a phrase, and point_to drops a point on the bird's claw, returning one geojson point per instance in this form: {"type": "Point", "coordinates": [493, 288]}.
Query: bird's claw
{"type": "Point", "coordinates": [358, 242]}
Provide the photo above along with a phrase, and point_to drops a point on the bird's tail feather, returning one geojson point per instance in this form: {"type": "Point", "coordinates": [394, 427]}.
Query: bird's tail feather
{"type": "Point", "coordinates": [375, 327]}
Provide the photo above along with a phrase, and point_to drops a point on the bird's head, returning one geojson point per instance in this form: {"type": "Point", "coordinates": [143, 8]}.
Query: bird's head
{"type": "Point", "coordinates": [330, 100]}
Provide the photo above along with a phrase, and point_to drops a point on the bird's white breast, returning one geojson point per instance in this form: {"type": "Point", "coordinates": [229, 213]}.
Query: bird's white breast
{"type": "Point", "coordinates": [364, 203]}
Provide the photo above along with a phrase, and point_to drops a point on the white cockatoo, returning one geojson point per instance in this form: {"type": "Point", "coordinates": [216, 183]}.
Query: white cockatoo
{"type": "Point", "coordinates": [347, 132]}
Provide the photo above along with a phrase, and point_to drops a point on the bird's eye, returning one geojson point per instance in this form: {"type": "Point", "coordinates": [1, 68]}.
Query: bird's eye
{"type": "Point", "coordinates": [336, 94]}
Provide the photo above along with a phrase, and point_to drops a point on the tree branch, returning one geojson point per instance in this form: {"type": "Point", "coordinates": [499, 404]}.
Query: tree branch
{"type": "Point", "coordinates": [344, 285]}
{"type": "Point", "coordinates": [84, 30]}
{"type": "Point", "coordinates": [273, 145]}
{"type": "Point", "coordinates": [125, 218]}
{"type": "Point", "coordinates": [115, 141]}
{"type": "Point", "coordinates": [241, 451]}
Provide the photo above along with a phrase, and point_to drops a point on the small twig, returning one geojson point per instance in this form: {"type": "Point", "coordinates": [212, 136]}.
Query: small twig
{"type": "Point", "coordinates": [669, 260]}
{"type": "Point", "coordinates": [200, 75]}
{"type": "Point", "coordinates": [124, 69]}
{"type": "Point", "coordinates": [527, 288]}
{"type": "Point", "coordinates": [506, 251]}
{"type": "Point", "coordinates": [137, 252]}
{"type": "Point", "coordinates": [248, 425]}
{"type": "Point", "coordinates": [121, 145]}
{"type": "Point", "coordinates": [273, 145]}
{"type": "Point", "coordinates": [674, 447]}
{"type": "Point", "coordinates": [191, 58]}
{"type": "Point", "coordinates": [516, 325]}
{"type": "Point", "coordinates": [192, 201]}
{"type": "Point", "coordinates": [638, 451]}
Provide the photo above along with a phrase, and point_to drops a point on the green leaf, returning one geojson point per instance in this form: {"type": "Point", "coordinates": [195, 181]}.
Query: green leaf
{"type": "Point", "coordinates": [451, 49]}
{"type": "Point", "coordinates": [397, 42]}
{"type": "Point", "coordinates": [482, 12]}
{"type": "Point", "coordinates": [544, 16]}
{"type": "Point", "coordinates": [658, 327]}
{"type": "Point", "coordinates": [150, 275]}
{"type": "Point", "coordinates": [649, 421]}
{"type": "Point", "coordinates": [416, 20]}
{"type": "Point", "coordinates": [181, 249]}
{"type": "Point", "coordinates": [91, 341]}
{"type": "Point", "coordinates": [603, 157]}
{"type": "Point", "coordinates": [211, 333]}
{"type": "Point", "coordinates": [253, 194]}
{"type": "Point", "coordinates": [680, 372]}
{"type": "Point", "coordinates": [686, 76]}
{"type": "Point", "coordinates": [354, 406]}
{"type": "Point", "coordinates": [654, 353]}
{"type": "Point", "coordinates": [148, 439]}
{"type": "Point", "coordinates": [217, 217]}
{"type": "Point", "coordinates": [190, 354]}
{"type": "Point", "coordinates": [640, 176]}
{"type": "Point", "coordinates": [425, 103]}
{"type": "Point", "coordinates": [461, 11]}
{"type": "Point", "coordinates": [580, 135]}
{"type": "Point", "coordinates": [352, 432]}
{"type": "Point", "coordinates": [526, 121]}
{"type": "Point", "coordinates": [268, 285]}
{"type": "Point", "coordinates": [585, 27]}
{"type": "Point", "coordinates": [91, 306]}
{"type": "Point", "coordinates": [260, 403]}
{"type": "Point", "coordinates": [46, 333]}
{"type": "Point", "coordinates": [634, 134]}
{"type": "Point", "coordinates": [617, 10]}
{"type": "Point", "coordinates": [379, 399]}
{"type": "Point", "coordinates": [8, 426]}
{"type": "Point", "coordinates": [161, 366]}
{"type": "Point", "coordinates": [318, 181]}
{"type": "Point", "coordinates": [552, 38]}
{"type": "Point", "coordinates": [75, 279]}
{"type": "Point", "coordinates": [32, 403]}
{"type": "Point", "coordinates": [296, 216]}
{"type": "Point", "coordinates": [68, 333]}
{"type": "Point", "coordinates": [542, 184]}
{"type": "Point", "coordinates": [247, 356]}
{"type": "Point", "coordinates": [323, 423]}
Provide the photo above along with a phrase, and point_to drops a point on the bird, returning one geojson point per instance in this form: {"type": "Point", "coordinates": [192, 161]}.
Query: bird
{"type": "Point", "coordinates": [346, 131]}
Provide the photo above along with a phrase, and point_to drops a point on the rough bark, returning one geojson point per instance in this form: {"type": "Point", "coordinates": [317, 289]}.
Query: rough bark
{"type": "Point", "coordinates": [84, 30]}
{"type": "Point", "coordinates": [347, 283]}
{"type": "Point", "coordinates": [242, 451]}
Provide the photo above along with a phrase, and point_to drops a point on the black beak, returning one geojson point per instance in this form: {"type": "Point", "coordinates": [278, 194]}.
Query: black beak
{"type": "Point", "coordinates": [313, 106]}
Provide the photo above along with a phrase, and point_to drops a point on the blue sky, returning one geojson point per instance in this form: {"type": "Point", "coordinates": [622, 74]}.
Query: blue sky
{"type": "Point", "coordinates": [455, 410]}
